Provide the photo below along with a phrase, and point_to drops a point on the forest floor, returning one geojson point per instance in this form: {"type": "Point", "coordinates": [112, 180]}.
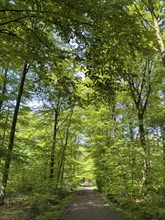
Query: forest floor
{"type": "Point", "coordinates": [85, 204]}
{"type": "Point", "coordinates": [40, 207]}
{"type": "Point", "coordinates": [88, 205]}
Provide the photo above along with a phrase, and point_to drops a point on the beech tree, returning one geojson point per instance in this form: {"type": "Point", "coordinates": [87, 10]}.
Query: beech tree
{"type": "Point", "coordinates": [153, 22]}
{"type": "Point", "coordinates": [140, 87]}
{"type": "Point", "coordinates": [12, 135]}
{"type": "Point", "coordinates": [94, 90]}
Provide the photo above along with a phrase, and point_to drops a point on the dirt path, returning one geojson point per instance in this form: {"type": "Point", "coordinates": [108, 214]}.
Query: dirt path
{"type": "Point", "coordinates": [89, 206]}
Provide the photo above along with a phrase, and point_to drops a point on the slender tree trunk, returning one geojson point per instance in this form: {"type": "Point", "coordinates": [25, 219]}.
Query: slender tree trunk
{"type": "Point", "coordinates": [4, 133]}
{"type": "Point", "coordinates": [132, 156]}
{"type": "Point", "coordinates": [5, 128]}
{"type": "Point", "coordinates": [52, 156]}
{"type": "Point", "coordinates": [3, 91]}
{"type": "Point", "coordinates": [62, 162]}
{"type": "Point", "coordinates": [52, 159]}
{"type": "Point", "coordinates": [132, 146]}
{"type": "Point", "coordinates": [145, 164]}
{"type": "Point", "coordinates": [12, 136]}
{"type": "Point", "coordinates": [3, 88]}
{"type": "Point", "coordinates": [157, 30]}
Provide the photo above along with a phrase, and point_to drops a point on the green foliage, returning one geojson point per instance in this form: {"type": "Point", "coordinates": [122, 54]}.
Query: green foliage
{"type": "Point", "coordinates": [46, 207]}
{"type": "Point", "coordinates": [97, 137]}
{"type": "Point", "coordinates": [137, 210]}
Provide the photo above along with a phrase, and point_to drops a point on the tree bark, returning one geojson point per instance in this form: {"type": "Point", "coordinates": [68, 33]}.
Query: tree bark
{"type": "Point", "coordinates": [140, 89]}
{"type": "Point", "coordinates": [3, 88]}
{"type": "Point", "coordinates": [52, 156]}
{"type": "Point", "coordinates": [62, 162]}
{"type": "Point", "coordinates": [12, 136]}
{"type": "Point", "coordinates": [133, 153]}
{"type": "Point", "coordinates": [145, 164]}
{"type": "Point", "coordinates": [4, 133]}
{"type": "Point", "coordinates": [157, 30]}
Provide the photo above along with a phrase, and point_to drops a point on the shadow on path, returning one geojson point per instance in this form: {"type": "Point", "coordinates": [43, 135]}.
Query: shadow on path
{"type": "Point", "coordinates": [89, 206]}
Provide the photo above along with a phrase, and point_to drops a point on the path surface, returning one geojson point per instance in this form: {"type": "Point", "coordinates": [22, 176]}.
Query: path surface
{"type": "Point", "coordinates": [89, 206]}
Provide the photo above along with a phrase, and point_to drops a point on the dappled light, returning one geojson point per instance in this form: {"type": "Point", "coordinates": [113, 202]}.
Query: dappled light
{"type": "Point", "coordinates": [88, 205]}
{"type": "Point", "coordinates": [82, 117]}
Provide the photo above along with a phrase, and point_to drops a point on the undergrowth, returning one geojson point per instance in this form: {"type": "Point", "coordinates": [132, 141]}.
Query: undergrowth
{"type": "Point", "coordinates": [48, 206]}
{"type": "Point", "coordinates": [144, 210]}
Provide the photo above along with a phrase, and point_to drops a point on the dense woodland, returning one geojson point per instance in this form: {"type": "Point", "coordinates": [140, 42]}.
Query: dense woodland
{"type": "Point", "coordinates": [82, 100]}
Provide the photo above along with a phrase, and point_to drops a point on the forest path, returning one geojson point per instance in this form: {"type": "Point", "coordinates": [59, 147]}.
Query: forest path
{"type": "Point", "coordinates": [89, 206]}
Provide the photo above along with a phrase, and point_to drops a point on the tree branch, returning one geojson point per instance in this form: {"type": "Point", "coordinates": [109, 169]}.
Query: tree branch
{"type": "Point", "coordinates": [15, 20]}
{"type": "Point", "coordinates": [139, 13]}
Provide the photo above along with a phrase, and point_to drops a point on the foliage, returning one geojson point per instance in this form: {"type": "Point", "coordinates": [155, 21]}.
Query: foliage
{"type": "Point", "coordinates": [37, 206]}
{"type": "Point", "coordinates": [92, 108]}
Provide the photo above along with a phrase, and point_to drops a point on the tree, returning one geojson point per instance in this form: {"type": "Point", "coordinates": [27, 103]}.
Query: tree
{"type": "Point", "coordinates": [60, 174]}
{"type": "Point", "coordinates": [155, 22]}
{"type": "Point", "coordinates": [12, 135]}
{"type": "Point", "coordinates": [140, 87]}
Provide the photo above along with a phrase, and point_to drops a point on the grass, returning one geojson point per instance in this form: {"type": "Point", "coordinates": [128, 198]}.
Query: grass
{"type": "Point", "coordinates": [146, 210]}
{"type": "Point", "coordinates": [56, 211]}
{"type": "Point", "coordinates": [36, 207]}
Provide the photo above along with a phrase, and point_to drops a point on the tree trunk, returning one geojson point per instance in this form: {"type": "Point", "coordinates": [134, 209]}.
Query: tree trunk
{"type": "Point", "coordinates": [62, 162]}
{"type": "Point", "coordinates": [132, 156]}
{"type": "Point", "coordinates": [3, 88]}
{"type": "Point", "coordinates": [52, 156]}
{"type": "Point", "coordinates": [12, 136]}
{"type": "Point", "coordinates": [4, 133]}
{"type": "Point", "coordinates": [145, 165]}
{"type": "Point", "coordinates": [157, 30]}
